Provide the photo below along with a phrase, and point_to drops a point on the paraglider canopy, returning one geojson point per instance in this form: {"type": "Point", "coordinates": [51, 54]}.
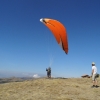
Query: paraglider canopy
{"type": "Point", "coordinates": [59, 32]}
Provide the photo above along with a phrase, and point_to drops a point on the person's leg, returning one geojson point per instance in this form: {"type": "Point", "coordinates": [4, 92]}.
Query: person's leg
{"type": "Point", "coordinates": [48, 74]}
{"type": "Point", "coordinates": [96, 80]}
{"type": "Point", "coordinates": [93, 79]}
{"type": "Point", "coordinates": [93, 82]}
{"type": "Point", "coordinates": [96, 83]}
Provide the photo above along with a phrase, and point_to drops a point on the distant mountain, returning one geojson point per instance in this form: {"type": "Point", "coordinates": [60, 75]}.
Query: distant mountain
{"type": "Point", "coordinates": [8, 74]}
{"type": "Point", "coordinates": [15, 79]}
{"type": "Point", "coordinates": [6, 77]}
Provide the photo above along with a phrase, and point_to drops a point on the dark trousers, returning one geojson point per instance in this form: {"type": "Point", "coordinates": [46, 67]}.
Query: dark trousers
{"type": "Point", "coordinates": [49, 74]}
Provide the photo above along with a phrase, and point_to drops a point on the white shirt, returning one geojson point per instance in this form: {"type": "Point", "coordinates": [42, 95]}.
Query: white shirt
{"type": "Point", "coordinates": [95, 69]}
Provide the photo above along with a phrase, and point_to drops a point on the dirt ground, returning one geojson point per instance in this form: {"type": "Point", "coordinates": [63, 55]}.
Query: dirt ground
{"type": "Point", "coordinates": [50, 89]}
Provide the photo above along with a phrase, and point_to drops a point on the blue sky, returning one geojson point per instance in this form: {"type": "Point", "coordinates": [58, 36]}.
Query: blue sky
{"type": "Point", "coordinates": [26, 45]}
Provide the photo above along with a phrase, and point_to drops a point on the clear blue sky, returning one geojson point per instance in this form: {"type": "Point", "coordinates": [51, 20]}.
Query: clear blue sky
{"type": "Point", "coordinates": [26, 45]}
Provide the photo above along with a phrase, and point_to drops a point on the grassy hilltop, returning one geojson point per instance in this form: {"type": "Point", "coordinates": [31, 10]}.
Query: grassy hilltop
{"type": "Point", "coordinates": [50, 89]}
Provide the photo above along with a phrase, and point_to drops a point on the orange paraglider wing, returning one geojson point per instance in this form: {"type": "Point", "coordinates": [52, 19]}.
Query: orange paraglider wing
{"type": "Point", "coordinates": [59, 32]}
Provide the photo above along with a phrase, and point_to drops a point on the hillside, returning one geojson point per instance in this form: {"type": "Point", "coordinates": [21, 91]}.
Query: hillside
{"type": "Point", "coordinates": [14, 79]}
{"type": "Point", "coordinates": [50, 89]}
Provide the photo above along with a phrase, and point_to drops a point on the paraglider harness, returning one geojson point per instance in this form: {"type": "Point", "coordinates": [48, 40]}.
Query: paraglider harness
{"type": "Point", "coordinates": [48, 72]}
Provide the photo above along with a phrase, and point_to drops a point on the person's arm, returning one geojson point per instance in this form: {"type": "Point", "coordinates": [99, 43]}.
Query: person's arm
{"type": "Point", "coordinates": [92, 71]}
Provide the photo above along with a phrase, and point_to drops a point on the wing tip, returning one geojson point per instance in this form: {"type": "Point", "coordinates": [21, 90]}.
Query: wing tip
{"type": "Point", "coordinates": [66, 53]}
{"type": "Point", "coordinates": [41, 20]}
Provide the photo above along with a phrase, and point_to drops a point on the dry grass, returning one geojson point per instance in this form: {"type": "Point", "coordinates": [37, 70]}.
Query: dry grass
{"type": "Point", "coordinates": [50, 89]}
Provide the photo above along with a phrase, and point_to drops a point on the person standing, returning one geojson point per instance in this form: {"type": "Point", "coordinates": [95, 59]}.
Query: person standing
{"type": "Point", "coordinates": [48, 72]}
{"type": "Point", "coordinates": [94, 73]}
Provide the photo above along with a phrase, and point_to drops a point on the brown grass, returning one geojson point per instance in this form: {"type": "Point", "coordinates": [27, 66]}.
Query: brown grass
{"type": "Point", "coordinates": [50, 89]}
